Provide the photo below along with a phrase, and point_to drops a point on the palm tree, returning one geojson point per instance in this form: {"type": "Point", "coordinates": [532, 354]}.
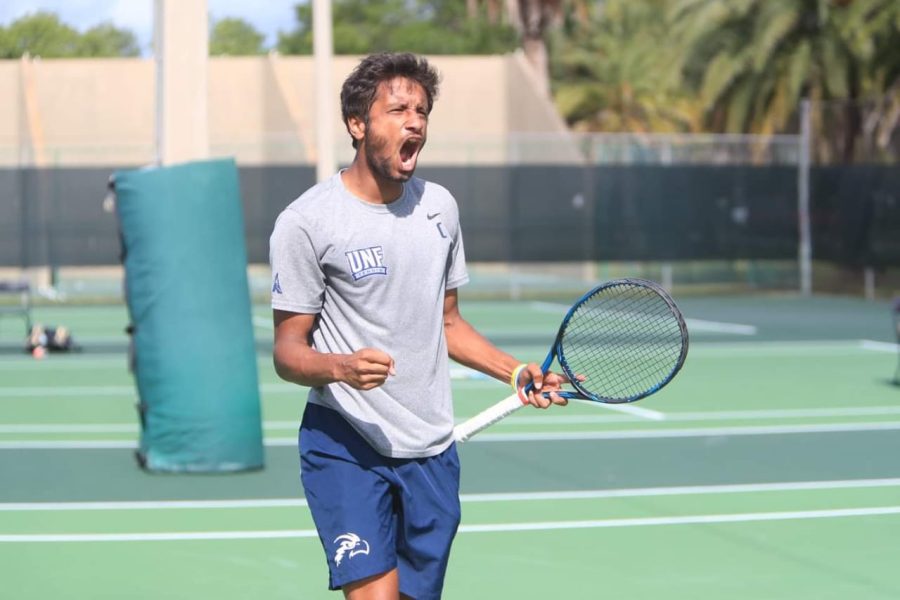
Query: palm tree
{"type": "Point", "coordinates": [609, 74]}
{"type": "Point", "coordinates": [873, 32]}
{"type": "Point", "coordinates": [494, 9]}
{"type": "Point", "coordinates": [532, 19]}
{"type": "Point", "coordinates": [752, 61]}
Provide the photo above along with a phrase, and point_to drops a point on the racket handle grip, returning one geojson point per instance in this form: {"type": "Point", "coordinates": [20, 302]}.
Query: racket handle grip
{"type": "Point", "coordinates": [487, 417]}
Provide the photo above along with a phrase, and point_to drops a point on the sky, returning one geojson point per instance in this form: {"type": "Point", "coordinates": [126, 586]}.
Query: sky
{"type": "Point", "coordinates": [267, 16]}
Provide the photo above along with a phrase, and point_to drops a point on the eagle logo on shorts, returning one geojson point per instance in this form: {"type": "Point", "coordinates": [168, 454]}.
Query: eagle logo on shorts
{"type": "Point", "coordinates": [350, 545]}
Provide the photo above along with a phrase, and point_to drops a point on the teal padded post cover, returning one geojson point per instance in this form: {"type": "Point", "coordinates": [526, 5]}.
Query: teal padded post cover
{"type": "Point", "coordinates": [186, 287]}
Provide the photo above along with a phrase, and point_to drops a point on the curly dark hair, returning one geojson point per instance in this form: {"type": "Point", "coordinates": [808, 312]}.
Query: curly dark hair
{"type": "Point", "coordinates": [358, 91]}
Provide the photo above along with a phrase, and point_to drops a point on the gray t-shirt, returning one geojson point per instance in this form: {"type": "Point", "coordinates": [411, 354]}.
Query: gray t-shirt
{"type": "Point", "coordinates": [376, 276]}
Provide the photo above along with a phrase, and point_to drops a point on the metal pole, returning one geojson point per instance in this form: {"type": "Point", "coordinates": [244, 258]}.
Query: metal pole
{"type": "Point", "coordinates": [666, 276]}
{"type": "Point", "coordinates": [805, 230]}
{"type": "Point", "coordinates": [181, 53]}
{"type": "Point", "coordinates": [158, 54]}
{"type": "Point", "coordinates": [588, 202]}
{"type": "Point", "coordinates": [22, 181]}
{"type": "Point", "coordinates": [323, 50]}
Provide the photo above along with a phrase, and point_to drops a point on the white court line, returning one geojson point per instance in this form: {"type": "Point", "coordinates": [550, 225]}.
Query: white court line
{"type": "Point", "coordinates": [629, 409]}
{"type": "Point", "coordinates": [85, 428]}
{"type": "Point", "coordinates": [93, 361]}
{"type": "Point", "coordinates": [59, 362]}
{"type": "Point", "coordinates": [679, 433]}
{"type": "Point", "coordinates": [62, 390]}
{"type": "Point", "coordinates": [460, 372]}
{"type": "Point", "coordinates": [718, 327]}
{"type": "Point", "coordinates": [550, 307]}
{"type": "Point", "coordinates": [72, 445]}
{"type": "Point", "coordinates": [687, 520]}
{"type": "Point", "coordinates": [692, 324]}
{"type": "Point", "coordinates": [112, 427]}
{"type": "Point", "coordinates": [125, 390]}
{"type": "Point", "coordinates": [725, 415]}
{"type": "Point", "coordinates": [702, 432]}
{"type": "Point", "coordinates": [741, 488]}
{"type": "Point", "coordinates": [520, 419]}
{"type": "Point", "coordinates": [561, 436]}
{"type": "Point", "coordinates": [707, 350]}
{"type": "Point", "coordinates": [263, 323]}
{"type": "Point", "coordinates": [112, 390]}
{"type": "Point", "coordinates": [482, 528]}
{"type": "Point", "coordinates": [102, 361]}
{"type": "Point", "coordinates": [676, 433]}
{"type": "Point", "coordinates": [800, 348]}
{"type": "Point", "coordinates": [879, 346]}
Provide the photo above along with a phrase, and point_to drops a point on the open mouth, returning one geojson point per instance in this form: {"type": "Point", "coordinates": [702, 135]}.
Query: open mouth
{"type": "Point", "coordinates": [409, 151]}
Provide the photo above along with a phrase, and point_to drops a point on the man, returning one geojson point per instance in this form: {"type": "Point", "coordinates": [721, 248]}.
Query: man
{"type": "Point", "coordinates": [365, 272]}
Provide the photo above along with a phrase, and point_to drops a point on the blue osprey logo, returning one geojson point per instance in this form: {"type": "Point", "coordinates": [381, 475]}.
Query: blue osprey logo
{"type": "Point", "coordinates": [365, 262]}
{"type": "Point", "coordinates": [276, 286]}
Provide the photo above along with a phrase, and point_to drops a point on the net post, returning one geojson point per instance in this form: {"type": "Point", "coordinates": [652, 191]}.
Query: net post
{"type": "Point", "coordinates": [869, 283]}
{"type": "Point", "coordinates": [666, 276]}
{"type": "Point", "coordinates": [805, 231]}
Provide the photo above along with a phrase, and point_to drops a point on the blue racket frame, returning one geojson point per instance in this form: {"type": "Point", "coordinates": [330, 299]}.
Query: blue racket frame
{"type": "Point", "coordinates": [557, 351]}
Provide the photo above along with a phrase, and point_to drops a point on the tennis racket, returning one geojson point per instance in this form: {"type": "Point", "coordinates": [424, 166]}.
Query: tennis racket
{"type": "Point", "coordinates": [622, 341]}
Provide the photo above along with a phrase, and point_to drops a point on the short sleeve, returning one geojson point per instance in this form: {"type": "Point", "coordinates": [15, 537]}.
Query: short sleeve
{"type": "Point", "coordinates": [457, 274]}
{"type": "Point", "coordinates": [298, 282]}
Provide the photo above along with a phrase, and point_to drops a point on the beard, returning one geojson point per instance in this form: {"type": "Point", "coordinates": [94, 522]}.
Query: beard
{"type": "Point", "coordinates": [379, 159]}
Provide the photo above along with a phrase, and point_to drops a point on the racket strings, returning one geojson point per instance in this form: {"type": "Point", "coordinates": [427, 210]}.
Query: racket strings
{"type": "Point", "coordinates": [625, 341]}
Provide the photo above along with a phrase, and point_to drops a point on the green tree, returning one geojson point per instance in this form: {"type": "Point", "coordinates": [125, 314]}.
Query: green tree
{"type": "Point", "coordinates": [422, 26]}
{"type": "Point", "coordinates": [873, 32]}
{"type": "Point", "coordinates": [752, 61]}
{"type": "Point", "coordinates": [609, 75]}
{"type": "Point", "coordinates": [235, 37]}
{"type": "Point", "coordinates": [107, 40]}
{"type": "Point", "coordinates": [44, 34]}
{"type": "Point", "coordinates": [39, 34]}
{"type": "Point", "coordinates": [534, 19]}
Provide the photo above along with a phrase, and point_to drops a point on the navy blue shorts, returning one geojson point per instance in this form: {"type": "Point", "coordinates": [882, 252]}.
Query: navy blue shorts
{"type": "Point", "coordinates": [375, 513]}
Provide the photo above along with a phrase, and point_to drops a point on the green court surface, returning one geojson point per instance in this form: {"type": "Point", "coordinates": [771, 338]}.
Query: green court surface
{"type": "Point", "coordinates": [768, 469]}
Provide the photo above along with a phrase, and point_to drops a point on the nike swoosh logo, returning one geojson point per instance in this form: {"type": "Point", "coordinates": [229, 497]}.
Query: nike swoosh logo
{"type": "Point", "coordinates": [430, 217]}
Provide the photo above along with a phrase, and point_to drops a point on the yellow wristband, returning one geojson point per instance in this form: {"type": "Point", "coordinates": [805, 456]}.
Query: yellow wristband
{"type": "Point", "coordinates": [514, 379]}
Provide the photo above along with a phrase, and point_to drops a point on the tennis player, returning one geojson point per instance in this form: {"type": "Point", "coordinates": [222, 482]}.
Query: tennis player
{"type": "Point", "coordinates": [365, 269]}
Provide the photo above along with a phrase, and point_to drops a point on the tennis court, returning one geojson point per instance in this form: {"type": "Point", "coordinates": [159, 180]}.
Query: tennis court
{"type": "Point", "coordinates": [767, 469]}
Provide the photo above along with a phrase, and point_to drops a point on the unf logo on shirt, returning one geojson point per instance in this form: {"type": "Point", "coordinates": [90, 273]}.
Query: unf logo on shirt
{"type": "Point", "coordinates": [365, 262]}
